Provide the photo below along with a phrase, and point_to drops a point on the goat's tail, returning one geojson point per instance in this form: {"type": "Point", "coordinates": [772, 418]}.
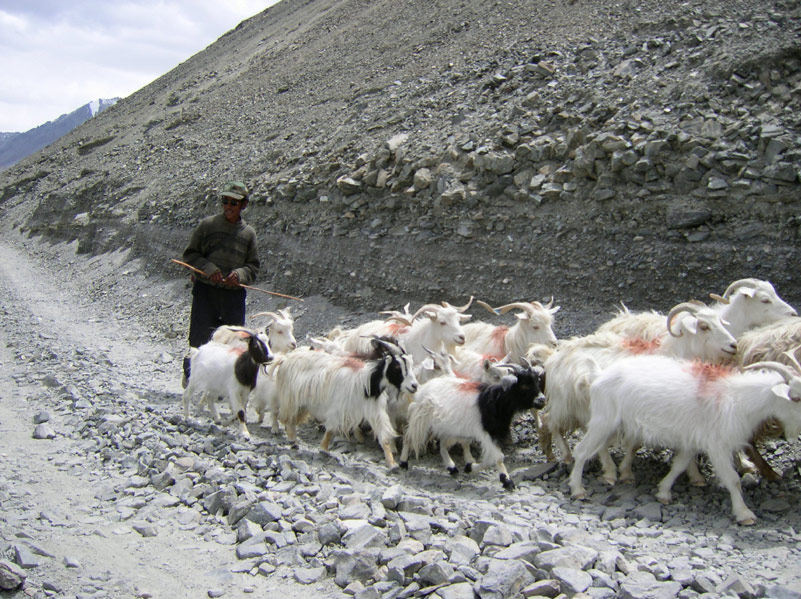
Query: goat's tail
{"type": "Point", "coordinates": [421, 415]}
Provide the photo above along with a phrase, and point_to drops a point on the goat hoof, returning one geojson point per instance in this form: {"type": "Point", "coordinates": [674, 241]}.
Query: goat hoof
{"type": "Point", "coordinates": [453, 470]}
{"type": "Point", "coordinates": [579, 495]}
{"type": "Point", "coordinates": [393, 469]}
{"type": "Point", "coordinates": [468, 467]}
{"type": "Point", "coordinates": [507, 483]}
{"type": "Point", "coordinates": [404, 465]}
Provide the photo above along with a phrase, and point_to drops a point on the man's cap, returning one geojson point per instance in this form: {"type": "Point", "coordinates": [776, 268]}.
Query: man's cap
{"type": "Point", "coordinates": [235, 190]}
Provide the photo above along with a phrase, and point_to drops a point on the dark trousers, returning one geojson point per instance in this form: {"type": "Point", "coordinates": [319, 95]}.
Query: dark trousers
{"type": "Point", "coordinates": [213, 307]}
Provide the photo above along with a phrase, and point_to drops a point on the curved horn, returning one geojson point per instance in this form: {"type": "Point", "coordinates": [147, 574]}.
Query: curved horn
{"type": "Point", "coordinates": [390, 347]}
{"type": "Point", "coordinates": [782, 369]}
{"type": "Point", "coordinates": [272, 315]}
{"type": "Point", "coordinates": [691, 307]}
{"type": "Point", "coordinates": [790, 353]}
{"type": "Point", "coordinates": [719, 298]}
{"type": "Point", "coordinates": [525, 306]}
{"type": "Point", "coordinates": [740, 283]}
{"type": "Point", "coordinates": [459, 309]}
{"type": "Point", "coordinates": [486, 306]}
{"type": "Point", "coordinates": [425, 308]}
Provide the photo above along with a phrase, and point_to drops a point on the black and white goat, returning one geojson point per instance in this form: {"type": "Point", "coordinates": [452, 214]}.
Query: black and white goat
{"type": "Point", "coordinates": [454, 410]}
{"type": "Point", "coordinates": [220, 370]}
{"type": "Point", "coordinates": [341, 391]}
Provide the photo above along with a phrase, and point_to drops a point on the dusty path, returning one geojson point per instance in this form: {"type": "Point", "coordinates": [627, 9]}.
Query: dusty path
{"type": "Point", "coordinates": [54, 497]}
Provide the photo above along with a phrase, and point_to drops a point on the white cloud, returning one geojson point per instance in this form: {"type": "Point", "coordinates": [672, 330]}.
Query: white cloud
{"type": "Point", "coordinates": [60, 55]}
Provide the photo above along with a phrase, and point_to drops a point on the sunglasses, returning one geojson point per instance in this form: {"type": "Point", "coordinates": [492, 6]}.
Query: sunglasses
{"type": "Point", "coordinates": [230, 202]}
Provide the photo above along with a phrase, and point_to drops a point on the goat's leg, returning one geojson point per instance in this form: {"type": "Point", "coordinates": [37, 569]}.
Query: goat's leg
{"type": "Point", "coordinates": [721, 462]}
{"type": "Point", "coordinates": [564, 448]}
{"type": "Point", "coordinates": [694, 474]}
{"type": "Point", "coordinates": [187, 398]}
{"type": "Point", "coordinates": [389, 456]}
{"type": "Point", "coordinates": [238, 401]}
{"type": "Point", "coordinates": [631, 448]}
{"type": "Point", "coordinates": [545, 437]}
{"type": "Point", "coordinates": [274, 407]}
{"type": "Point", "coordinates": [759, 462]}
{"type": "Point", "coordinates": [211, 405]}
{"type": "Point", "coordinates": [444, 447]}
{"type": "Point", "coordinates": [326, 441]}
{"type": "Point", "coordinates": [594, 441]}
{"type": "Point", "coordinates": [681, 460]}
{"type": "Point", "coordinates": [469, 460]}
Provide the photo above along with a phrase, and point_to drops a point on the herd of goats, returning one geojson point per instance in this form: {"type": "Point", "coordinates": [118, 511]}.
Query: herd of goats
{"type": "Point", "coordinates": [705, 378]}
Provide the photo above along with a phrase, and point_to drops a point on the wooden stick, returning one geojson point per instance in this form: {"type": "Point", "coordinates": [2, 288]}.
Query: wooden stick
{"type": "Point", "coordinates": [200, 272]}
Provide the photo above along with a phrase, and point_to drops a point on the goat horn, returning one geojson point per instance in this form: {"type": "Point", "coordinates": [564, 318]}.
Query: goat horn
{"type": "Point", "coordinates": [740, 283]}
{"type": "Point", "coordinates": [782, 369]}
{"type": "Point", "coordinates": [486, 306]}
{"type": "Point", "coordinates": [719, 298]}
{"type": "Point", "coordinates": [691, 307]}
{"type": "Point", "coordinates": [425, 308]}
{"type": "Point", "coordinates": [458, 309]}
{"type": "Point", "coordinates": [791, 355]}
{"type": "Point", "coordinates": [525, 306]}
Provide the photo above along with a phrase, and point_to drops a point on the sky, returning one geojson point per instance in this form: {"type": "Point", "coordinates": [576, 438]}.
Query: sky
{"type": "Point", "coordinates": [57, 55]}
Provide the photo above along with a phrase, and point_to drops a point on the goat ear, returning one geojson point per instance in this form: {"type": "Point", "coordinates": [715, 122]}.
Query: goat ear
{"type": "Point", "coordinates": [690, 325]}
{"type": "Point", "coordinates": [507, 381]}
{"type": "Point", "coordinates": [427, 364]}
{"type": "Point", "coordinates": [781, 390]}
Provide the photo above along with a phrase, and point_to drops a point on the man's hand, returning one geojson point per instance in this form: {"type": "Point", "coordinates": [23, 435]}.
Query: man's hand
{"type": "Point", "coordinates": [232, 280]}
{"type": "Point", "coordinates": [216, 277]}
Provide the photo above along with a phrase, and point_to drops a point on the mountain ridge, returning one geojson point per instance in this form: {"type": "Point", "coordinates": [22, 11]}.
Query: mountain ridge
{"type": "Point", "coordinates": [14, 146]}
{"type": "Point", "coordinates": [594, 151]}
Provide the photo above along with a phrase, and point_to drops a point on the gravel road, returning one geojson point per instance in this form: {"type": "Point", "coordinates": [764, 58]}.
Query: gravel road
{"type": "Point", "coordinates": [123, 497]}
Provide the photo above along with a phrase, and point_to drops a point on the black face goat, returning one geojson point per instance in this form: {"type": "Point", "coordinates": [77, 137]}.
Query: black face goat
{"type": "Point", "coordinates": [452, 409]}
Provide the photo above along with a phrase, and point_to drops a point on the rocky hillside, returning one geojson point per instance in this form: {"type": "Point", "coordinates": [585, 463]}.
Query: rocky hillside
{"type": "Point", "coordinates": [594, 150]}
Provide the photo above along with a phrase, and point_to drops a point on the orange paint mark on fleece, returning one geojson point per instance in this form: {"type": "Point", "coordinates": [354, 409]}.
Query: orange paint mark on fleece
{"type": "Point", "coordinates": [396, 328]}
{"type": "Point", "coordinates": [353, 363]}
{"type": "Point", "coordinates": [707, 374]}
{"type": "Point", "coordinates": [469, 386]}
{"type": "Point", "coordinates": [711, 372]}
{"type": "Point", "coordinates": [641, 346]}
{"type": "Point", "coordinates": [498, 336]}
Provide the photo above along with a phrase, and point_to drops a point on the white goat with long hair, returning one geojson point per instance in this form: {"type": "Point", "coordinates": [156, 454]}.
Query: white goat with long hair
{"type": "Point", "coordinates": [341, 391]}
{"type": "Point", "coordinates": [690, 407]}
{"type": "Point", "coordinates": [692, 331]}
{"type": "Point", "coordinates": [746, 304]}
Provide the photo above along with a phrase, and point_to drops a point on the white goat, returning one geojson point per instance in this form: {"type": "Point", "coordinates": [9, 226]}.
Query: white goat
{"type": "Point", "coordinates": [342, 391]}
{"type": "Point", "coordinates": [771, 342]}
{"type": "Point", "coordinates": [689, 407]}
{"type": "Point", "coordinates": [433, 326]}
{"type": "Point", "coordinates": [453, 410]}
{"type": "Point", "coordinates": [746, 303]}
{"type": "Point", "coordinates": [697, 333]}
{"type": "Point", "coordinates": [280, 330]}
{"type": "Point", "coordinates": [509, 344]}
{"type": "Point", "coordinates": [218, 370]}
